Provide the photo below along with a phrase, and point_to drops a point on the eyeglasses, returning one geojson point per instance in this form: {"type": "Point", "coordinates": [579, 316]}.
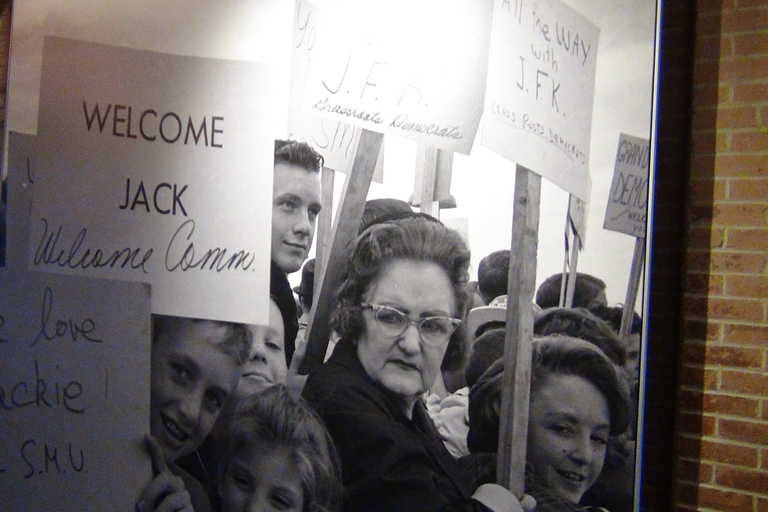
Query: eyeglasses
{"type": "Point", "coordinates": [433, 330]}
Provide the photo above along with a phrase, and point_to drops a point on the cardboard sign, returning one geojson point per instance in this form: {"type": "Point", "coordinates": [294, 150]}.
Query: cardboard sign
{"type": "Point", "coordinates": [578, 212]}
{"type": "Point", "coordinates": [74, 392]}
{"type": "Point", "coordinates": [541, 80]}
{"type": "Point", "coordinates": [21, 179]}
{"type": "Point", "coordinates": [412, 68]}
{"type": "Point", "coordinates": [157, 168]}
{"type": "Point", "coordinates": [627, 210]}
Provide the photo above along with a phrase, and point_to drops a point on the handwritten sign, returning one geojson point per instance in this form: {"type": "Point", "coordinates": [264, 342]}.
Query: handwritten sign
{"type": "Point", "coordinates": [412, 68]}
{"type": "Point", "coordinates": [541, 79]}
{"type": "Point", "coordinates": [627, 210]}
{"type": "Point", "coordinates": [156, 168]}
{"type": "Point", "coordinates": [74, 392]}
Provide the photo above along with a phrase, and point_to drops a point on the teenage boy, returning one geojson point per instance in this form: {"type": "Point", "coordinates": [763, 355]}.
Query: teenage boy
{"type": "Point", "coordinates": [296, 203]}
{"type": "Point", "coordinates": [195, 365]}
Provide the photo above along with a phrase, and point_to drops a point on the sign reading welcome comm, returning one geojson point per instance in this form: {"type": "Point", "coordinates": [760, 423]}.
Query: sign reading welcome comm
{"type": "Point", "coordinates": [156, 168]}
{"type": "Point", "coordinates": [74, 392]}
{"type": "Point", "coordinates": [541, 80]}
{"type": "Point", "coordinates": [412, 68]}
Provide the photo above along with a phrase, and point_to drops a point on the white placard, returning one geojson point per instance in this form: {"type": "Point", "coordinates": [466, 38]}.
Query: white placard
{"type": "Point", "coordinates": [157, 168]}
{"type": "Point", "coordinates": [412, 68]}
{"type": "Point", "coordinates": [74, 392]}
{"type": "Point", "coordinates": [541, 80]}
{"type": "Point", "coordinates": [627, 210]}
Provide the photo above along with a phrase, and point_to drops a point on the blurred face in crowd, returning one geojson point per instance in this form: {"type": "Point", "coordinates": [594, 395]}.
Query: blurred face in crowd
{"type": "Point", "coordinates": [191, 377]}
{"type": "Point", "coordinates": [405, 364]}
{"type": "Point", "coordinates": [266, 361]}
{"type": "Point", "coordinates": [262, 478]}
{"type": "Point", "coordinates": [568, 428]}
{"type": "Point", "coordinates": [296, 202]}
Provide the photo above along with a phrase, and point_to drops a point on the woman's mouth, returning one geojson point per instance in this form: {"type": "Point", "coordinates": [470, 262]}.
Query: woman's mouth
{"type": "Point", "coordinates": [257, 376]}
{"type": "Point", "coordinates": [571, 476]}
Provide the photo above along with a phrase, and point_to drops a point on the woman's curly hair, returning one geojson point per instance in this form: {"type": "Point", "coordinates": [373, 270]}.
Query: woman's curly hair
{"type": "Point", "coordinates": [414, 238]}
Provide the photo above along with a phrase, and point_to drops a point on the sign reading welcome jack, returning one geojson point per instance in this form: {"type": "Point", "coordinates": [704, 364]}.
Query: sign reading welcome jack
{"type": "Point", "coordinates": [156, 168]}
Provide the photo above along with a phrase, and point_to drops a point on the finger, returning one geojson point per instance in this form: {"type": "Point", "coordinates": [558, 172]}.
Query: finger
{"type": "Point", "coordinates": [156, 454]}
{"type": "Point", "coordinates": [176, 502]}
{"type": "Point", "coordinates": [528, 503]}
{"type": "Point", "coordinates": [159, 489]}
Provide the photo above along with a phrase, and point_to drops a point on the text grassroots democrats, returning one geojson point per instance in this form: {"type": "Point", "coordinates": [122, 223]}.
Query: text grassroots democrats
{"type": "Point", "coordinates": [163, 198]}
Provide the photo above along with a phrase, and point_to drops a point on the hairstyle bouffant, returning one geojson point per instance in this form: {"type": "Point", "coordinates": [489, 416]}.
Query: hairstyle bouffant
{"type": "Point", "coordinates": [274, 417]}
{"type": "Point", "coordinates": [413, 238]}
{"type": "Point", "coordinates": [552, 355]}
{"type": "Point", "coordinates": [586, 290]}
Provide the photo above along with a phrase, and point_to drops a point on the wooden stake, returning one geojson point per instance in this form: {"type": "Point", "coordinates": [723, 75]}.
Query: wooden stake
{"type": "Point", "coordinates": [324, 228]}
{"type": "Point", "coordinates": [426, 168]}
{"type": "Point", "coordinates": [634, 285]}
{"type": "Point", "coordinates": [513, 428]}
{"type": "Point", "coordinates": [574, 263]}
{"type": "Point", "coordinates": [345, 228]}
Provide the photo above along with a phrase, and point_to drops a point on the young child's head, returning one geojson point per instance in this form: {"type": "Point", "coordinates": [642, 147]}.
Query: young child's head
{"type": "Point", "coordinates": [266, 364]}
{"type": "Point", "coordinates": [195, 366]}
{"type": "Point", "coordinates": [278, 456]}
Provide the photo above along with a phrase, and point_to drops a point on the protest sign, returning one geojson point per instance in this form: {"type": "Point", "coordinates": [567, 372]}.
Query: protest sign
{"type": "Point", "coordinates": [74, 392]}
{"type": "Point", "coordinates": [21, 179]}
{"type": "Point", "coordinates": [156, 168]}
{"type": "Point", "coordinates": [415, 69]}
{"type": "Point", "coordinates": [541, 78]}
{"type": "Point", "coordinates": [627, 210]}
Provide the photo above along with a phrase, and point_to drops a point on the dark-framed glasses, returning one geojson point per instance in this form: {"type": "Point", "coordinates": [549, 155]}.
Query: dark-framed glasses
{"type": "Point", "coordinates": [433, 330]}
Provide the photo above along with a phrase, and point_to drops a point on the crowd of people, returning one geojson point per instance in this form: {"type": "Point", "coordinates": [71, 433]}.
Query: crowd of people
{"type": "Point", "coordinates": [404, 413]}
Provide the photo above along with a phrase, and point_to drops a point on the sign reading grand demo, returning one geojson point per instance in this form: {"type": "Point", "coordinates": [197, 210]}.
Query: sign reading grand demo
{"type": "Point", "coordinates": [541, 80]}
{"type": "Point", "coordinates": [412, 68]}
{"type": "Point", "coordinates": [627, 210]}
{"type": "Point", "coordinates": [156, 168]}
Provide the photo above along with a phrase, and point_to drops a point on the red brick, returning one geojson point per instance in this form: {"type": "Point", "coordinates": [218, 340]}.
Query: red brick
{"type": "Point", "coordinates": [702, 330]}
{"type": "Point", "coordinates": [748, 383]}
{"type": "Point", "coordinates": [710, 95]}
{"type": "Point", "coordinates": [704, 191]}
{"type": "Point", "coordinates": [707, 24]}
{"type": "Point", "coordinates": [746, 263]}
{"type": "Point", "coordinates": [702, 166]}
{"type": "Point", "coordinates": [747, 286]}
{"type": "Point", "coordinates": [737, 478]}
{"type": "Point", "coordinates": [747, 239]}
{"type": "Point", "coordinates": [750, 93]}
{"type": "Point", "coordinates": [726, 453]}
{"type": "Point", "coordinates": [710, 497]}
{"type": "Point", "coordinates": [744, 68]}
{"type": "Point", "coordinates": [700, 215]}
{"type": "Point", "coordinates": [705, 119]}
{"type": "Point", "coordinates": [748, 189]}
{"type": "Point", "coordinates": [736, 117]}
{"type": "Point", "coordinates": [755, 432]}
{"type": "Point", "coordinates": [695, 423]}
{"type": "Point", "coordinates": [744, 20]}
{"type": "Point", "coordinates": [754, 215]}
{"type": "Point", "coordinates": [705, 237]}
{"type": "Point", "coordinates": [699, 378]}
{"type": "Point", "coordinates": [744, 4]}
{"type": "Point", "coordinates": [734, 356]}
{"type": "Point", "coordinates": [706, 72]}
{"type": "Point", "coordinates": [746, 334]}
{"type": "Point", "coordinates": [751, 44]}
{"type": "Point", "coordinates": [705, 142]}
{"type": "Point", "coordinates": [694, 471]}
{"type": "Point", "coordinates": [742, 165]}
{"type": "Point", "coordinates": [704, 284]}
{"type": "Point", "coordinates": [722, 404]}
{"type": "Point", "coordinates": [749, 142]}
{"type": "Point", "coordinates": [762, 504]}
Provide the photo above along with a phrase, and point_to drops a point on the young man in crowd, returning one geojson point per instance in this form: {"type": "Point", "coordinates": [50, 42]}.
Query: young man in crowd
{"type": "Point", "coordinates": [296, 203]}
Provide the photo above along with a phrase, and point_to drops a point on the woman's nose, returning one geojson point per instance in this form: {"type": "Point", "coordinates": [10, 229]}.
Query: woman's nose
{"type": "Point", "coordinates": [258, 351]}
{"type": "Point", "coordinates": [410, 340]}
{"type": "Point", "coordinates": [581, 449]}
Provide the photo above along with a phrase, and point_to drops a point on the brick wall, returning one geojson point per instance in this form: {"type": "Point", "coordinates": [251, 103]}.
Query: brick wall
{"type": "Point", "coordinates": [722, 415]}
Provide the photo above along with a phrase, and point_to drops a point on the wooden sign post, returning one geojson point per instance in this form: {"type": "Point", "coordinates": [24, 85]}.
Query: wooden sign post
{"type": "Point", "coordinates": [627, 211]}
{"type": "Point", "coordinates": [575, 231]}
{"type": "Point", "coordinates": [538, 114]}
{"type": "Point", "coordinates": [513, 428]}
{"type": "Point", "coordinates": [345, 229]}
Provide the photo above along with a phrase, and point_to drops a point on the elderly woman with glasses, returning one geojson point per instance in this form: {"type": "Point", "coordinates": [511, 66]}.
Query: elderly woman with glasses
{"type": "Point", "coordinates": [400, 311]}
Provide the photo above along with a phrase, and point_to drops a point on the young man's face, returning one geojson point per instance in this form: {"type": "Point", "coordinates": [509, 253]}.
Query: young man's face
{"type": "Point", "coordinates": [191, 379]}
{"type": "Point", "coordinates": [296, 197]}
